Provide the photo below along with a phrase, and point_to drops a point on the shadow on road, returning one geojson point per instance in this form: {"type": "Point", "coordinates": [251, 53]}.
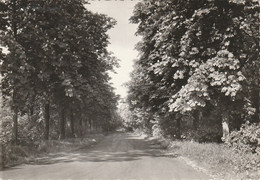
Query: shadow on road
{"type": "Point", "coordinates": [117, 147]}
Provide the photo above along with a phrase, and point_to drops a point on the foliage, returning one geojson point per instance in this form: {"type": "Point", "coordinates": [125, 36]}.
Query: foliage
{"type": "Point", "coordinates": [247, 139]}
{"type": "Point", "coordinates": [194, 55]}
{"type": "Point", "coordinates": [126, 116]}
{"type": "Point", "coordinates": [55, 72]}
{"type": "Point", "coordinates": [5, 123]}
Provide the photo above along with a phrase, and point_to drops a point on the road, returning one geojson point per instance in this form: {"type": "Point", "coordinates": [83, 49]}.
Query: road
{"type": "Point", "coordinates": [118, 156]}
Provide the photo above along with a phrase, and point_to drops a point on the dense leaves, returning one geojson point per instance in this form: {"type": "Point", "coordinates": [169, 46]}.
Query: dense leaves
{"type": "Point", "coordinates": [56, 68]}
{"type": "Point", "coordinates": [247, 139]}
{"type": "Point", "coordinates": [195, 56]}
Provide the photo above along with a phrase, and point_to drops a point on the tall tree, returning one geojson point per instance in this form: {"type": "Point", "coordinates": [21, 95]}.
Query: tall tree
{"type": "Point", "coordinates": [195, 54]}
{"type": "Point", "coordinates": [58, 53]}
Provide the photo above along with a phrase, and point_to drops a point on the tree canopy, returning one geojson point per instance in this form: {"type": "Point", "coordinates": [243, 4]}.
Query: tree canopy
{"type": "Point", "coordinates": [58, 59]}
{"type": "Point", "coordinates": [195, 56]}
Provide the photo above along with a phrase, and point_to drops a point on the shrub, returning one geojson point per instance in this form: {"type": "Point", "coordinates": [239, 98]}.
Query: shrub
{"type": "Point", "coordinates": [247, 139]}
{"type": "Point", "coordinates": [12, 154]}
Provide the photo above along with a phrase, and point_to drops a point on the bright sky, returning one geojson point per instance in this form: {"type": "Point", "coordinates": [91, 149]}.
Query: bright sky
{"type": "Point", "coordinates": [122, 37]}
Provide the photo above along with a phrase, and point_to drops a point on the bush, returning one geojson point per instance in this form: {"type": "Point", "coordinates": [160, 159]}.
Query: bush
{"type": "Point", "coordinates": [247, 139]}
{"type": "Point", "coordinates": [12, 155]}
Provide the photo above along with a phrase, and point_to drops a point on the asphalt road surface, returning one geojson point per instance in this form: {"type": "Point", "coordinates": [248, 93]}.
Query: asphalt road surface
{"type": "Point", "coordinates": [118, 156]}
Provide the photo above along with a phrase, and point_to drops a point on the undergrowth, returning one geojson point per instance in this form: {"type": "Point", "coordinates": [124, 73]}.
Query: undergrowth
{"type": "Point", "coordinates": [246, 139]}
{"type": "Point", "coordinates": [219, 159]}
{"type": "Point", "coordinates": [17, 154]}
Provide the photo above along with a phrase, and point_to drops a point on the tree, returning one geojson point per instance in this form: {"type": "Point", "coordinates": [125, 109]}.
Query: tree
{"type": "Point", "coordinates": [58, 55]}
{"type": "Point", "coordinates": [195, 54]}
{"type": "Point", "coordinates": [14, 77]}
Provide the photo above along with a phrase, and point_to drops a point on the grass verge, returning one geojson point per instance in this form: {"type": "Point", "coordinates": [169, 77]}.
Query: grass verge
{"type": "Point", "coordinates": [221, 161]}
{"type": "Point", "coordinates": [12, 155]}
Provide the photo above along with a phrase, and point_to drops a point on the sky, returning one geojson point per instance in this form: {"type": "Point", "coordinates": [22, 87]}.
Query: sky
{"type": "Point", "coordinates": [122, 38]}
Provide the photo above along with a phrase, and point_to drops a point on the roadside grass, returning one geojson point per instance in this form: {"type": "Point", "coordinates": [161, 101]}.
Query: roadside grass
{"type": "Point", "coordinates": [221, 161]}
{"type": "Point", "coordinates": [67, 145]}
{"type": "Point", "coordinates": [12, 155]}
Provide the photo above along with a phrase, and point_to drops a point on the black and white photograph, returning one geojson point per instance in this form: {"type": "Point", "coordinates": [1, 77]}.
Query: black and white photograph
{"type": "Point", "coordinates": [129, 90]}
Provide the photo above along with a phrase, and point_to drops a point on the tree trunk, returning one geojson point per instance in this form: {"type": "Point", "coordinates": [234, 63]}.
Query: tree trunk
{"type": "Point", "coordinates": [80, 125]}
{"type": "Point", "coordinates": [47, 120]}
{"type": "Point", "coordinates": [72, 123]}
{"type": "Point", "coordinates": [256, 101]}
{"type": "Point", "coordinates": [225, 125]}
{"type": "Point", "coordinates": [2, 152]}
{"type": "Point", "coordinates": [15, 125]}
{"type": "Point", "coordinates": [258, 105]}
{"type": "Point", "coordinates": [178, 133]}
{"type": "Point", "coordinates": [31, 108]}
{"type": "Point", "coordinates": [15, 108]}
{"type": "Point", "coordinates": [62, 123]}
{"type": "Point", "coordinates": [91, 125]}
{"type": "Point", "coordinates": [197, 118]}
